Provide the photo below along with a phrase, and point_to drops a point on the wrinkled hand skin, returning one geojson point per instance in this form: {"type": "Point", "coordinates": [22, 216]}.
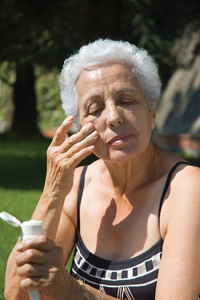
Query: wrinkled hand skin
{"type": "Point", "coordinates": [41, 265]}
{"type": "Point", "coordinates": [40, 262]}
{"type": "Point", "coordinates": [65, 153]}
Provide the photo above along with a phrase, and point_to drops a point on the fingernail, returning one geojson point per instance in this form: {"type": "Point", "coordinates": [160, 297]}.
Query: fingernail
{"type": "Point", "coordinates": [91, 148]}
{"type": "Point", "coordinates": [94, 134]}
{"type": "Point", "coordinates": [89, 126]}
{"type": "Point", "coordinates": [69, 119]}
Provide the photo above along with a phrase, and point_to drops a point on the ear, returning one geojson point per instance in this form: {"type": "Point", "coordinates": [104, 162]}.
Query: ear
{"type": "Point", "coordinates": [153, 118]}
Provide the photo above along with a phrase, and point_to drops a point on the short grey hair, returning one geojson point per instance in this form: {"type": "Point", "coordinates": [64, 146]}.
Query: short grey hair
{"type": "Point", "coordinates": [102, 53]}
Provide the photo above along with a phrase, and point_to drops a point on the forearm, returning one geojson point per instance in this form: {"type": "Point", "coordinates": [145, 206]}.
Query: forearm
{"type": "Point", "coordinates": [12, 280]}
{"type": "Point", "coordinates": [49, 210]}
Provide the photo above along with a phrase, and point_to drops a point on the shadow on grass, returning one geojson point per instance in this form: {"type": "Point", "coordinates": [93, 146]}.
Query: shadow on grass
{"type": "Point", "coordinates": [23, 165]}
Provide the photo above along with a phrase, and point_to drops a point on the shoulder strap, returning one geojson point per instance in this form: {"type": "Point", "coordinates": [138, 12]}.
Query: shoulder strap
{"type": "Point", "coordinates": [80, 193]}
{"type": "Point", "coordinates": [167, 185]}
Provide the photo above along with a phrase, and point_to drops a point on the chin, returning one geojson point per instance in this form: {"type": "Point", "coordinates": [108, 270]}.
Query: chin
{"type": "Point", "coordinates": [120, 157]}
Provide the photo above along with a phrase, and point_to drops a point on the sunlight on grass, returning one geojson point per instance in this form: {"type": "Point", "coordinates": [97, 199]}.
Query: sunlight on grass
{"type": "Point", "coordinates": [22, 175]}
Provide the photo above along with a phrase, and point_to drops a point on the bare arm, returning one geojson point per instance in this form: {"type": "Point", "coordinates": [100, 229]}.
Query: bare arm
{"type": "Point", "coordinates": [63, 155]}
{"type": "Point", "coordinates": [179, 274]}
{"type": "Point", "coordinates": [46, 260]}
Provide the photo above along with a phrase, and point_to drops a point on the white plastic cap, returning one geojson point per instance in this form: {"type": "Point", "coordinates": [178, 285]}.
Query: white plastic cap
{"type": "Point", "coordinates": [32, 228]}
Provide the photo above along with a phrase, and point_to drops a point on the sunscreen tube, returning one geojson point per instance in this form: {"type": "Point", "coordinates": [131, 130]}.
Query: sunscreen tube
{"type": "Point", "coordinates": [31, 229]}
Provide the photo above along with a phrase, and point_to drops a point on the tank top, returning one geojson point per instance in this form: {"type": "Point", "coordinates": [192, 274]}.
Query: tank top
{"type": "Point", "coordinates": [131, 279]}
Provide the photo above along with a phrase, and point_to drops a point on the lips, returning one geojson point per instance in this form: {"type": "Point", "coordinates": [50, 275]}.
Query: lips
{"type": "Point", "coordinates": [120, 139]}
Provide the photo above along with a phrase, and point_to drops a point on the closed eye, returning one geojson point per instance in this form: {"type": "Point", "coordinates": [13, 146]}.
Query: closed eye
{"type": "Point", "coordinates": [95, 112]}
{"type": "Point", "coordinates": [95, 109]}
{"type": "Point", "coordinates": [126, 101]}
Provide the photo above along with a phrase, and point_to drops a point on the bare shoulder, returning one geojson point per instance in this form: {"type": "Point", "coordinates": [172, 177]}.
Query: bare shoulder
{"type": "Point", "coordinates": [94, 170]}
{"type": "Point", "coordinates": [182, 205]}
{"type": "Point", "coordinates": [186, 180]}
{"type": "Point", "coordinates": [180, 227]}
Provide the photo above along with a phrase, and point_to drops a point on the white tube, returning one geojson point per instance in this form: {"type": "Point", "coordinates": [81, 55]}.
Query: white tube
{"type": "Point", "coordinates": [30, 229]}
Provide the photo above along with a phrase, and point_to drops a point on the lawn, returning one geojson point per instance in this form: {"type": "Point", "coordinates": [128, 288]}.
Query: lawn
{"type": "Point", "coordinates": [22, 174]}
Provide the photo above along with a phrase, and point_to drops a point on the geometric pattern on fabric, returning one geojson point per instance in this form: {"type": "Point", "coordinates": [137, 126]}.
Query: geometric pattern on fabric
{"type": "Point", "coordinates": [131, 279]}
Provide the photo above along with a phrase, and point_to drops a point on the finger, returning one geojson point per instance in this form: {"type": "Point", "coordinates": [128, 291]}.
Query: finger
{"type": "Point", "coordinates": [31, 283]}
{"type": "Point", "coordinates": [75, 138]}
{"type": "Point", "coordinates": [87, 136]}
{"type": "Point", "coordinates": [32, 270]}
{"type": "Point", "coordinates": [40, 242]}
{"type": "Point", "coordinates": [75, 160]}
{"type": "Point", "coordinates": [36, 282]}
{"type": "Point", "coordinates": [31, 256]}
{"type": "Point", "coordinates": [61, 132]}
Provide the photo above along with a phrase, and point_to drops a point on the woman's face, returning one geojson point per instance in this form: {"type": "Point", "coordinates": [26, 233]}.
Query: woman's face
{"type": "Point", "coordinates": [111, 98]}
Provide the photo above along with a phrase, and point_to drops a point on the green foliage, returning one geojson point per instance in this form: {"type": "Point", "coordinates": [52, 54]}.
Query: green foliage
{"type": "Point", "coordinates": [50, 112]}
{"type": "Point", "coordinates": [7, 78]}
{"type": "Point", "coordinates": [38, 30]}
{"type": "Point", "coordinates": [141, 27]}
{"type": "Point", "coordinates": [45, 33]}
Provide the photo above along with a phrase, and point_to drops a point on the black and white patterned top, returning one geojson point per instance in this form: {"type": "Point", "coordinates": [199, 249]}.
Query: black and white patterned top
{"type": "Point", "coordinates": [132, 279]}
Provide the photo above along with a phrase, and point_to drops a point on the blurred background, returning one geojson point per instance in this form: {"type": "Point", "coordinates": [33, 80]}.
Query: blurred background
{"type": "Point", "coordinates": [35, 38]}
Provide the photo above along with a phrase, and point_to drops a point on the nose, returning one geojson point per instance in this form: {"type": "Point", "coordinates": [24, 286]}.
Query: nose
{"type": "Point", "coordinates": [114, 115]}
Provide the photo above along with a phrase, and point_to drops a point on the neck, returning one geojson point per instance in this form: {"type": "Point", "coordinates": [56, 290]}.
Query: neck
{"type": "Point", "coordinates": [129, 176]}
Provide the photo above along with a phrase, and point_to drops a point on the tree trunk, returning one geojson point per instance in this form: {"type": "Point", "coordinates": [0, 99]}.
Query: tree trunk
{"type": "Point", "coordinates": [24, 98]}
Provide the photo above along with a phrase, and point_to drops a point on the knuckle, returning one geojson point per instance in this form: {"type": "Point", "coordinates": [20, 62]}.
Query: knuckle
{"type": "Point", "coordinates": [42, 239]}
{"type": "Point", "coordinates": [29, 254]}
{"type": "Point", "coordinates": [75, 148]}
{"type": "Point", "coordinates": [26, 284]}
{"type": "Point", "coordinates": [70, 140]}
{"type": "Point", "coordinates": [27, 268]}
{"type": "Point", "coordinates": [58, 131]}
{"type": "Point", "coordinates": [75, 156]}
{"type": "Point", "coordinates": [51, 153]}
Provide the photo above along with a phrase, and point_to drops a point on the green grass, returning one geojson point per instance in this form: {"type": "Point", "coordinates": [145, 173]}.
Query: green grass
{"type": "Point", "coordinates": [22, 174]}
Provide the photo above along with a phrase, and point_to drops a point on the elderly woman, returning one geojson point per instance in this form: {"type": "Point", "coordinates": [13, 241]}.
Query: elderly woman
{"type": "Point", "coordinates": [133, 216]}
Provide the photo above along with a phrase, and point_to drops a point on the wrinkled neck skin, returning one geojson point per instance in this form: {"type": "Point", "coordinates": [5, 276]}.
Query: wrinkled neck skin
{"type": "Point", "coordinates": [131, 175]}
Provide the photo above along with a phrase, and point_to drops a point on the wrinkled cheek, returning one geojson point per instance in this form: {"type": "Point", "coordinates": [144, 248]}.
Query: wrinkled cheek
{"type": "Point", "coordinates": [100, 147]}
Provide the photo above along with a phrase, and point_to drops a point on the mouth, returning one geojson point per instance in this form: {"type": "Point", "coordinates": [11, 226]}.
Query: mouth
{"type": "Point", "coordinates": [119, 139]}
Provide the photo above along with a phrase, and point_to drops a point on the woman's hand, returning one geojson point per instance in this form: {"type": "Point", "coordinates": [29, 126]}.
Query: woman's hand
{"type": "Point", "coordinates": [64, 154]}
{"type": "Point", "coordinates": [41, 265]}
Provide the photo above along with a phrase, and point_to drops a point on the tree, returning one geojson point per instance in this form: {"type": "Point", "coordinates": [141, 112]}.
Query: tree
{"type": "Point", "coordinates": [36, 32]}
{"type": "Point", "coordinates": [44, 33]}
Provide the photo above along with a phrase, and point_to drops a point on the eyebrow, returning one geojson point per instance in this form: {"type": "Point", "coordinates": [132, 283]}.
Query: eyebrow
{"type": "Point", "coordinates": [93, 97]}
{"type": "Point", "coordinates": [124, 90]}
{"type": "Point", "coordinates": [117, 92]}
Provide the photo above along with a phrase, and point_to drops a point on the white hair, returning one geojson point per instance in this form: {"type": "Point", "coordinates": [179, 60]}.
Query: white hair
{"type": "Point", "coordinates": [101, 53]}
